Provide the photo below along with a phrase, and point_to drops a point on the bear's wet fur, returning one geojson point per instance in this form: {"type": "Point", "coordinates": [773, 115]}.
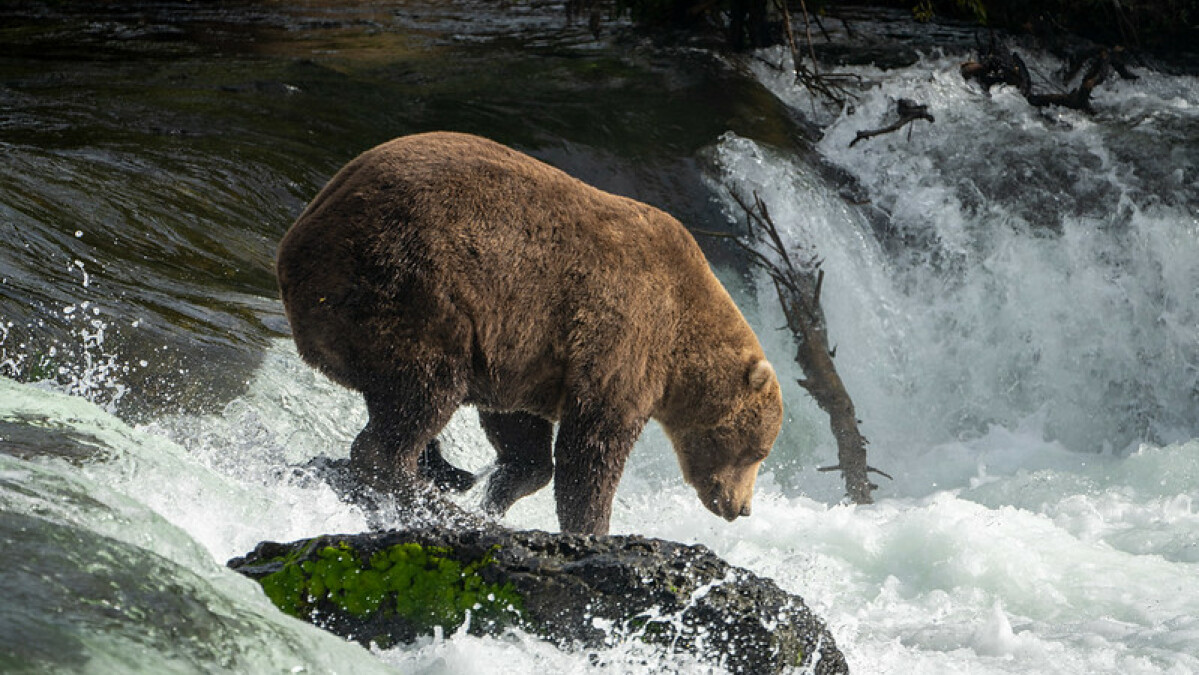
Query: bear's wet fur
{"type": "Point", "coordinates": [443, 269]}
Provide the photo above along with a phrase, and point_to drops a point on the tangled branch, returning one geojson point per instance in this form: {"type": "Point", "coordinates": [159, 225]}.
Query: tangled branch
{"type": "Point", "coordinates": [831, 86]}
{"type": "Point", "coordinates": [998, 65]}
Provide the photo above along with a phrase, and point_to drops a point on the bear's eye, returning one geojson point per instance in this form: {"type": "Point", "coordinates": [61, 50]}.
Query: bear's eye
{"type": "Point", "coordinates": [756, 455]}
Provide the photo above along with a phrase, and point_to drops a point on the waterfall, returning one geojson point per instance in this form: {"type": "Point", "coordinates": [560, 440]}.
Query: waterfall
{"type": "Point", "coordinates": [1008, 265]}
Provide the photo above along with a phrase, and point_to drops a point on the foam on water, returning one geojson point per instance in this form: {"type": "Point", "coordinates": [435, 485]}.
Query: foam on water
{"type": "Point", "coordinates": [1035, 297]}
{"type": "Point", "coordinates": [107, 569]}
{"type": "Point", "coordinates": [1007, 552]}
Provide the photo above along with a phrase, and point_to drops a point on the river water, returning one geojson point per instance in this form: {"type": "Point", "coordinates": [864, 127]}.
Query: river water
{"type": "Point", "coordinates": [1012, 293]}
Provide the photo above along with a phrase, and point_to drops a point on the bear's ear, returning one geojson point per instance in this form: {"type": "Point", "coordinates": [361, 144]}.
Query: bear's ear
{"type": "Point", "coordinates": [760, 373]}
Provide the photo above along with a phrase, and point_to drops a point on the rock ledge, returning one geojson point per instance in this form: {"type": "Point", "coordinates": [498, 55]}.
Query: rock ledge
{"type": "Point", "coordinates": [388, 587]}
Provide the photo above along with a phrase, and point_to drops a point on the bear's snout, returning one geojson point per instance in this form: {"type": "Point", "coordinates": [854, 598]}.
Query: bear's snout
{"type": "Point", "coordinates": [726, 503]}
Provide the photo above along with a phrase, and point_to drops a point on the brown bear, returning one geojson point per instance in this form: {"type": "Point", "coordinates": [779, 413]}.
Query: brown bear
{"type": "Point", "coordinates": [444, 269]}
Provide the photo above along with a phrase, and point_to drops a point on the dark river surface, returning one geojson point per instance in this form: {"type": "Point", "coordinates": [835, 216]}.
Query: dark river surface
{"type": "Point", "coordinates": [155, 153]}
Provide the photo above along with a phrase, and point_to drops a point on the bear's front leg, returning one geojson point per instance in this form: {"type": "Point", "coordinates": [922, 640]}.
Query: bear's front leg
{"type": "Point", "coordinates": [404, 419]}
{"type": "Point", "coordinates": [382, 460]}
{"type": "Point", "coordinates": [589, 457]}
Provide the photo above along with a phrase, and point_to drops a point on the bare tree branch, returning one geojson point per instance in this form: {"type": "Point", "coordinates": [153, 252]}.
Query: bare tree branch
{"type": "Point", "coordinates": [909, 111]}
{"type": "Point", "coordinates": [798, 285]}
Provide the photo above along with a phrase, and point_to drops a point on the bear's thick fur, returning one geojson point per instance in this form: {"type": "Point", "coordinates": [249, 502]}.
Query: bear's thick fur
{"type": "Point", "coordinates": [444, 269]}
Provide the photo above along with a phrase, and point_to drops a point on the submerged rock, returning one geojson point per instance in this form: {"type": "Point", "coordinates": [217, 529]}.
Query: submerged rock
{"type": "Point", "coordinates": [389, 587]}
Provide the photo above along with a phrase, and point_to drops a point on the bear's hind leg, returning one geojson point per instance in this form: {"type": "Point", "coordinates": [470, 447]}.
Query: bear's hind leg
{"type": "Point", "coordinates": [524, 457]}
{"type": "Point", "coordinates": [437, 470]}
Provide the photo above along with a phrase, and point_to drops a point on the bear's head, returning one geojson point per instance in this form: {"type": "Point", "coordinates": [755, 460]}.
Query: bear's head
{"type": "Point", "coordinates": [720, 458]}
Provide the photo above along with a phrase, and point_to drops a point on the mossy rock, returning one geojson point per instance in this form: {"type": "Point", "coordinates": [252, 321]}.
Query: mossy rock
{"type": "Point", "coordinates": [382, 594]}
{"type": "Point", "coordinates": [572, 590]}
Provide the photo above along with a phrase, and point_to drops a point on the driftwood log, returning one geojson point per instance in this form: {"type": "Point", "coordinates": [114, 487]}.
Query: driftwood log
{"type": "Point", "coordinates": [998, 65]}
{"type": "Point", "coordinates": [798, 285]}
{"type": "Point", "coordinates": [909, 111]}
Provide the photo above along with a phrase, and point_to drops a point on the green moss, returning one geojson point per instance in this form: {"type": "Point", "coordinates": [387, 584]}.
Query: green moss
{"type": "Point", "coordinates": [422, 584]}
{"type": "Point", "coordinates": [44, 367]}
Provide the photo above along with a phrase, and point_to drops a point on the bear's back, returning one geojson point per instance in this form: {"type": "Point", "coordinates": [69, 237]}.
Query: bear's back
{"type": "Point", "coordinates": [496, 254]}
{"type": "Point", "coordinates": [462, 191]}
{"type": "Point", "coordinates": [471, 212]}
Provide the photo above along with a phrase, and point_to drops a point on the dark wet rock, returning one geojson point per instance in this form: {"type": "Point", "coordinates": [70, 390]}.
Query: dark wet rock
{"type": "Point", "coordinates": [568, 589]}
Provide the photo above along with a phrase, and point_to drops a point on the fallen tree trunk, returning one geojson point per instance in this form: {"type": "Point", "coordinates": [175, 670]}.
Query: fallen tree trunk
{"type": "Point", "coordinates": [391, 587]}
{"type": "Point", "coordinates": [798, 287]}
{"type": "Point", "coordinates": [999, 65]}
